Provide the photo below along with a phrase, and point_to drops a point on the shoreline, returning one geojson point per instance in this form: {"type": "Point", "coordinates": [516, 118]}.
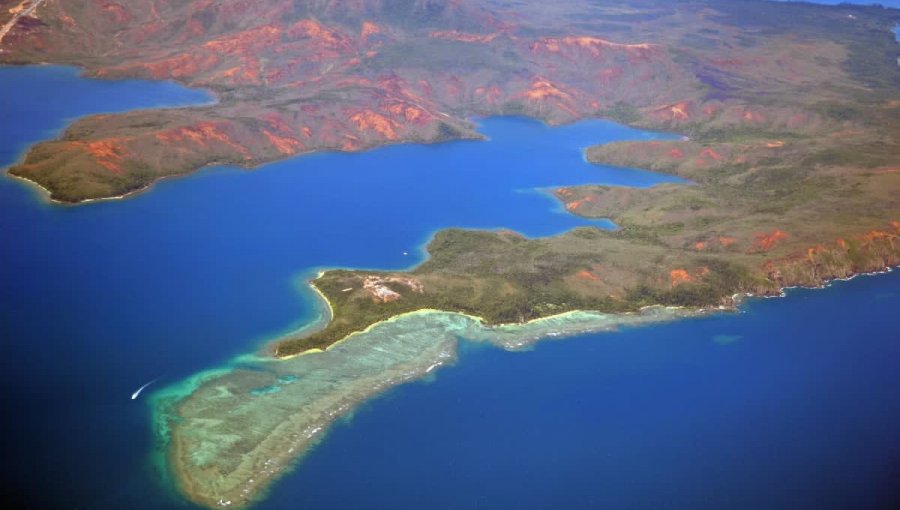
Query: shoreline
{"type": "Point", "coordinates": [270, 346]}
{"type": "Point", "coordinates": [47, 195]}
{"type": "Point", "coordinates": [735, 301]}
{"type": "Point", "coordinates": [476, 318]}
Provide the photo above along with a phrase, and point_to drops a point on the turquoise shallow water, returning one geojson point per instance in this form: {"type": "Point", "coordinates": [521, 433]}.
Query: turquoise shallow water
{"type": "Point", "coordinates": [795, 408]}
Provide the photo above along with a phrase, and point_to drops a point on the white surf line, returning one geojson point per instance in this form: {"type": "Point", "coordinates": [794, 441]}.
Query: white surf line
{"type": "Point", "coordinates": [137, 393]}
{"type": "Point", "coordinates": [24, 11]}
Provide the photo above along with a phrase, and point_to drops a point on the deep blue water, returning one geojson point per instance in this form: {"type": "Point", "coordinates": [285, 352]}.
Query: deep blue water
{"type": "Point", "coordinates": [96, 300]}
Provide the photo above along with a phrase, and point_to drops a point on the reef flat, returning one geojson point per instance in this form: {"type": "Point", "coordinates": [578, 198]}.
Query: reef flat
{"type": "Point", "coordinates": [231, 433]}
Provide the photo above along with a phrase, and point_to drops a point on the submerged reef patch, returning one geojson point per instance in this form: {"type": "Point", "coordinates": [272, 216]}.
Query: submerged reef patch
{"type": "Point", "coordinates": [231, 434]}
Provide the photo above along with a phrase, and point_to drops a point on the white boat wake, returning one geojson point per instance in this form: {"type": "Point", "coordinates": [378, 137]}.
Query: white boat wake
{"type": "Point", "coordinates": [137, 393]}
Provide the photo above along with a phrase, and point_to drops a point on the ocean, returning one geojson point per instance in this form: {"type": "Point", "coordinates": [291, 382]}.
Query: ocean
{"type": "Point", "coordinates": [789, 404]}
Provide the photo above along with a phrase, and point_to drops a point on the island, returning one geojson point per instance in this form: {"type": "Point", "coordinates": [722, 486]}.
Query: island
{"type": "Point", "coordinates": [790, 152]}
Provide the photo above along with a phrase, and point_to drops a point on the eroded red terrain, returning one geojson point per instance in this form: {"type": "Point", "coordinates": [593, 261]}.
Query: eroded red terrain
{"type": "Point", "coordinates": [337, 75]}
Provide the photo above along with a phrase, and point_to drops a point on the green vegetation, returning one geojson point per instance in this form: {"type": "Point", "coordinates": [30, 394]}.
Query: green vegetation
{"type": "Point", "coordinates": [622, 112]}
{"type": "Point", "coordinates": [505, 278]}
